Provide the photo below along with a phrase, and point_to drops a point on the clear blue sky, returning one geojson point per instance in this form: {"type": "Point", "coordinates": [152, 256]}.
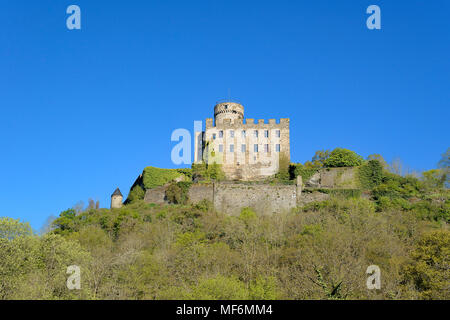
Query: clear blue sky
{"type": "Point", "coordinates": [83, 112]}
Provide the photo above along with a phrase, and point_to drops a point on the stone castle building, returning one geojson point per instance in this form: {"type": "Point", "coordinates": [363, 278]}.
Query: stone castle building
{"type": "Point", "coordinates": [245, 149]}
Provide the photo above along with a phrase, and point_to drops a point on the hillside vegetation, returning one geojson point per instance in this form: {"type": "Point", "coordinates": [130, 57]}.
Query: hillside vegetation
{"type": "Point", "coordinates": [191, 251]}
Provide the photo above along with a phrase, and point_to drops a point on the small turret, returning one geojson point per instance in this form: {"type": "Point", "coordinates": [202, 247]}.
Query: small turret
{"type": "Point", "coordinates": [116, 199]}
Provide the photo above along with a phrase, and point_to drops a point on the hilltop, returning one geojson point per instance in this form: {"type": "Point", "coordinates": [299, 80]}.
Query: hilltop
{"type": "Point", "coordinates": [319, 250]}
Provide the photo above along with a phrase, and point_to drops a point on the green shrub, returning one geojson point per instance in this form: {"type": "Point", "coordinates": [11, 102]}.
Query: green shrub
{"type": "Point", "coordinates": [247, 215]}
{"type": "Point", "coordinates": [178, 193]}
{"type": "Point", "coordinates": [205, 172]}
{"type": "Point", "coordinates": [434, 179]}
{"type": "Point", "coordinates": [219, 288]}
{"type": "Point", "coordinates": [301, 170]}
{"type": "Point", "coordinates": [204, 205]}
{"type": "Point", "coordinates": [343, 158]}
{"type": "Point", "coordinates": [155, 177]}
{"type": "Point", "coordinates": [137, 193]}
{"type": "Point", "coordinates": [318, 159]}
{"type": "Point", "coordinates": [395, 186]}
{"type": "Point", "coordinates": [430, 270]}
{"type": "Point", "coordinates": [283, 167]}
{"type": "Point", "coordinates": [370, 174]}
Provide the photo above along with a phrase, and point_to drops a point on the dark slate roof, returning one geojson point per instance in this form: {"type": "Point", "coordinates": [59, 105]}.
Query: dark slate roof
{"type": "Point", "coordinates": [117, 193]}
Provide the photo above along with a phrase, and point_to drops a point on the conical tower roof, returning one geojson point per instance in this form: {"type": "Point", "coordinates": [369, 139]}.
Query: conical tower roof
{"type": "Point", "coordinates": [117, 193]}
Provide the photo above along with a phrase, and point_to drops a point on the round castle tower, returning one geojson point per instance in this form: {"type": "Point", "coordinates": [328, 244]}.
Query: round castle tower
{"type": "Point", "coordinates": [116, 199]}
{"type": "Point", "coordinates": [228, 110]}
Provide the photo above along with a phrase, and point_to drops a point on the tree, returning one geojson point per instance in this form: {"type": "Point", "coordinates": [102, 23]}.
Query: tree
{"type": "Point", "coordinates": [371, 174]}
{"type": "Point", "coordinates": [430, 271]}
{"type": "Point", "coordinates": [215, 172]}
{"type": "Point", "coordinates": [434, 178]}
{"type": "Point", "coordinates": [11, 228]}
{"type": "Point", "coordinates": [340, 157]}
{"type": "Point", "coordinates": [318, 159]}
{"type": "Point", "coordinates": [380, 159]}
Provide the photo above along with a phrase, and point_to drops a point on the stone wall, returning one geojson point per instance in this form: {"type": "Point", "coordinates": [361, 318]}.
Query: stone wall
{"type": "Point", "coordinates": [343, 178]}
{"type": "Point", "coordinates": [263, 198]}
{"type": "Point", "coordinates": [313, 196]}
{"type": "Point", "coordinates": [229, 197]}
{"type": "Point", "coordinates": [198, 192]}
{"type": "Point", "coordinates": [156, 195]}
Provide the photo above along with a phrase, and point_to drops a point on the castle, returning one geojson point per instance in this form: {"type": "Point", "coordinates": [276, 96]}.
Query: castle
{"type": "Point", "coordinates": [248, 152]}
{"type": "Point", "coordinates": [245, 149]}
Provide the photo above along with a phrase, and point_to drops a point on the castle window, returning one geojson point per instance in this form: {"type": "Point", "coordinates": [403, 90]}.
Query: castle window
{"type": "Point", "coordinates": [214, 136]}
{"type": "Point", "coordinates": [220, 134]}
{"type": "Point", "coordinates": [243, 148]}
{"type": "Point", "coordinates": [231, 147]}
{"type": "Point", "coordinates": [266, 133]}
{"type": "Point", "coordinates": [231, 133]}
{"type": "Point", "coordinates": [278, 133]}
{"type": "Point", "coordinates": [220, 147]}
{"type": "Point", "coordinates": [243, 133]}
{"type": "Point", "coordinates": [255, 148]}
{"type": "Point", "coordinates": [255, 133]}
{"type": "Point", "coordinates": [266, 148]}
{"type": "Point", "coordinates": [277, 148]}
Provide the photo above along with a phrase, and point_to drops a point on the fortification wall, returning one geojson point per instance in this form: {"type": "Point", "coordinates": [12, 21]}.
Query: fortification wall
{"type": "Point", "coordinates": [263, 198]}
{"type": "Point", "coordinates": [156, 195]}
{"type": "Point", "coordinates": [230, 198]}
{"type": "Point", "coordinates": [343, 178]}
{"type": "Point", "coordinates": [199, 192]}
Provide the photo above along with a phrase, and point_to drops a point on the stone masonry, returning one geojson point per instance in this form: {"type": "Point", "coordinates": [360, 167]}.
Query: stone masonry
{"type": "Point", "coordinates": [245, 149]}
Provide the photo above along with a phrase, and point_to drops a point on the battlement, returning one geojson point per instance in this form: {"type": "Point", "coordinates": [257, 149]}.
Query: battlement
{"type": "Point", "coordinates": [255, 157]}
{"type": "Point", "coordinates": [248, 123]}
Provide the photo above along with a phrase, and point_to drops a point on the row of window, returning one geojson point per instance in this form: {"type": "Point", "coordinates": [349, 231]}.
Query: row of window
{"type": "Point", "coordinates": [255, 148]}
{"type": "Point", "coordinates": [243, 134]}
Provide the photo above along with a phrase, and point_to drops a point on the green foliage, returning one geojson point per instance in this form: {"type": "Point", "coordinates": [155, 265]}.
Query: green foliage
{"type": "Point", "coordinates": [434, 178]}
{"type": "Point", "coordinates": [11, 228]}
{"type": "Point", "coordinates": [345, 193]}
{"type": "Point", "coordinates": [338, 193]}
{"type": "Point", "coordinates": [318, 160]}
{"type": "Point", "coordinates": [188, 239]}
{"type": "Point", "coordinates": [247, 215]}
{"type": "Point", "coordinates": [155, 177]}
{"type": "Point", "coordinates": [317, 251]}
{"type": "Point", "coordinates": [343, 158]}
{"type": "Point", "coordinates": [214, 172]}
{"type": "Point", "coordinates": [178, 193]}
{"type": "Point", "coordinates": [204, 206]}
{"type": "Point", "coordinates": [136, 194]}
{"type": "Point", "coordinates": [206, 172]}
{"type": "Point", "coordinates": [370, 174]}
{"type": "Point", "coordinates": [430, 269]}
{"type": "Point", "coordinates": [303, 171]}
{"type": "Point", "coordinates": [379, 158]}
{"type": "Point", "coordinates": [35, 268]}
{"type": "Point", "coordinates": [395, 186]}
{"type": "Point", "coordinates": [283, 167]}
{"type": "Point", "coordinates": [219, 288]}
